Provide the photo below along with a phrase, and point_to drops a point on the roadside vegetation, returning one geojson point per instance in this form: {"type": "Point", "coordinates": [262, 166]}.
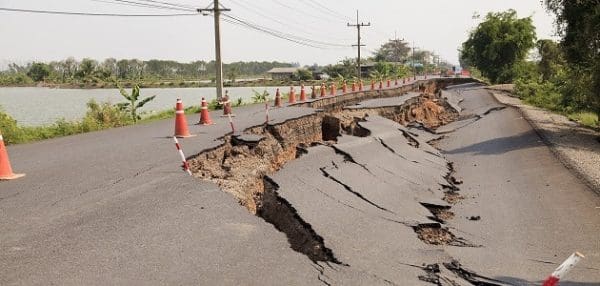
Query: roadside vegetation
{"type": "Point", "coordinates": [563, 76]}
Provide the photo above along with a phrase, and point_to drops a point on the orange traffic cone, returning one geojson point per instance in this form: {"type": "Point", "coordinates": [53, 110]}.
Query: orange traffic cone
{"type": "Point", "coordinates": [388, 84]}
{"type": "Point", "coordinates": [292, 97]}
{"type": "Point", "coordinates": [181, 126]}
{"type": "Point", "coordinates": [277, 98]}
{"type": "Point", "coordinates": [372, 85]}
{"type": "Point", "coordinates": [360, 85]}
{"type": "Point", "coordinates": [302, 93]}
{"type": "Point", "coordinates": [204, 115]}
{"type": "Point", "coordinates": [353, 86]}
{"type": "Point", "coordinates": [6, 172]}
{"type": "Point", "coordinates": [313, 92]}
{"type": "Point", "coordinates": [344, 88]}
{"type": "Point", "coordinates": [323, 90]}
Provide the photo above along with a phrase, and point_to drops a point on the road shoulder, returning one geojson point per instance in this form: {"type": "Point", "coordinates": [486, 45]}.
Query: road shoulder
{"type": "Point", "coordinates": [577, 147]}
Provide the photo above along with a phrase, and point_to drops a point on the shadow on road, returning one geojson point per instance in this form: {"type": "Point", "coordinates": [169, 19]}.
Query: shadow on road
{"type": "Point", "coordinates": [524, 140]}
{"type": "Point", "coordinates": [501, 145]}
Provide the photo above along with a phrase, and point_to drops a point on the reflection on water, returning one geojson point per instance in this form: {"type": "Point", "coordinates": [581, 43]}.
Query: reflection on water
{"type": "Point", "coordinates": [33, 106]}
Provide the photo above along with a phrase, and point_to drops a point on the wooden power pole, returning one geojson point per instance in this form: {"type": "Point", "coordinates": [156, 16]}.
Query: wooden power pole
{"type": "Point", "coordinates": [216, 10]}
{"type": "Point", "coordinates": [358, 44]}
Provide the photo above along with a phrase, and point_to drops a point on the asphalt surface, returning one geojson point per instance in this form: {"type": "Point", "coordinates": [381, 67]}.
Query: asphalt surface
{"type": "Point", "coordinates": [534, 212]}
{"type": "Point", "coordinates": [112, 207]}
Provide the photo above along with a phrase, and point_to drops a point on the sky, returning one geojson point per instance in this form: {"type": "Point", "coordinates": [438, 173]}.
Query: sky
{"type": "Point", "coordinates": [437, 25]}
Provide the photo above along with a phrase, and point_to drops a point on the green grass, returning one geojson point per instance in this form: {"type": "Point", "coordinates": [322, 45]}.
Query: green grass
{"type": "Point", "coordinates": [547, 96]}
{"type": "Point", "coordinates": [588, 119]}
{"type": "Point", "coordinates": [98, 117]}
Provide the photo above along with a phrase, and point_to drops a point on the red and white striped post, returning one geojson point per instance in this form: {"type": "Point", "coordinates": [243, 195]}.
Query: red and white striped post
{"type": "Point", "coordinates": [267, 112]}
{"type": "Point", "coordinates": [186, 166]}
{"type": "Point", "coordinates": [563, 269]}
{"type": "Point", "coordinates": [231, 124]}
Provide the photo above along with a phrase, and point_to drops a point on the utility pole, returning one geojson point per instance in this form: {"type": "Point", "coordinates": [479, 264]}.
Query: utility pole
{"type": "Point", "coordinates": [413, 62]}
{"type": "Point", "coordinates": [216, 10]}
{"type": "Point", "coordinates": [358, 44]}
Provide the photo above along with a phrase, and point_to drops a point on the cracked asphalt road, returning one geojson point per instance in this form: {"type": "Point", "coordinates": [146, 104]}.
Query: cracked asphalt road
{"type": "Point", "coordinates": [112, 208]}
{"type": "Point", "coordinates": [534, 212]}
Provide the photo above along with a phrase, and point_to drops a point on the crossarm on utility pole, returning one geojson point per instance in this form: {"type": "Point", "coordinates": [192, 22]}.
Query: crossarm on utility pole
{"type": "Point", "coordinates": [358, 44]}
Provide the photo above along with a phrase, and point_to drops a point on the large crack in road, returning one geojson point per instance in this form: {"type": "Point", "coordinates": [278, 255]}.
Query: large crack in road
{"type": "Point", "coordinates": [244, 164]}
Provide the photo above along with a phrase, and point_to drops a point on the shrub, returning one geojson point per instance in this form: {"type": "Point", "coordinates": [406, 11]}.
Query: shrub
{"type": "Point", "coordinates": [8, 128]}
{"type": "Point", "coordinates": [259, 97]}
{"type": "Point", "coordinates": [545, 95]}
{"type": "Point", "coordinates": [104, 115]}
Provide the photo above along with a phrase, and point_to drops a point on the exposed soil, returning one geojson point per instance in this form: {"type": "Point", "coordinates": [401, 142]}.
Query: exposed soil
{"type": "Point", "coordinates": [440, 213]}
{"type": "Point", "coordinates": [452, 197]}
{"type": "Point", "coordinates": [280, 213]}
{"type": "Point", "coordinates": [241, 167]}
{"type": "Point", "coordinates": [434, 234]}
{"type": "Point", "coordinates": [435, 274]}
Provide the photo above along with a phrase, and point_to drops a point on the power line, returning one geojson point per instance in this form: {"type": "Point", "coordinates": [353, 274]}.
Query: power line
{"type": "Point", "coordinates": [92, 14]}
{"type": "Point", "coordinates": [320, 6]}
{"type": "Point", "coordinates": [171, 4]}
{"type": "Point", "coordinates": [297, 10]}
{"type": "Point", "coordinates": [146, 5]}
{"type": "Point", "coordinates": [239, 22]}
{"type": "Point", "coordinates": [272, 34]}
{"type": "Point", "coordinates": [299, 27]}
{"type": "Point", "coordinates": [286, 35]}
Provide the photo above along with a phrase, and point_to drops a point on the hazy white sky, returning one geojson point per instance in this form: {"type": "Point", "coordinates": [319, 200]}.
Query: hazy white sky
{"type": "Point", "coordinates": [438, 25]}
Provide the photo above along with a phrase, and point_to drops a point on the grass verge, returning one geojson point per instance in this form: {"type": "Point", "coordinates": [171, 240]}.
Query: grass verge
{"type": "Point", "coordinates": [98, 117]}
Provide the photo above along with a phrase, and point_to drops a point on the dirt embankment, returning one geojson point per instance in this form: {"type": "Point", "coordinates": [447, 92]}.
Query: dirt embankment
{"type": "Point", "coordinates": [242, 165]}
{"type": "Point", "coordinates": [238, 166]}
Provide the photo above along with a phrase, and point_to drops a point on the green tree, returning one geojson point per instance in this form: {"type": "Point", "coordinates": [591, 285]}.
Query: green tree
{"type": "Point", "coordinates": [578, 22]}
{"type": "Point", "coordinates": [393, 51]}
{"type": "Point", "coordinates": [498, 45]}
{"type": "Point", "coordinates": [86, 68]}
{"type": "Point", "coordinates": [346, 68]}
{"type": "Point", "coordinates": [39, 71]}
{"type": "Point", "coordinates": [551, 59]}
{"type": "Point", "coordinates": [133, 105]}
{"type": "Point", "coordinates": [303, 74]}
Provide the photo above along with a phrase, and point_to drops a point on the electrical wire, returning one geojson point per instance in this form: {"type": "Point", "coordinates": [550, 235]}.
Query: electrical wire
{"type": "Point", "coordinates": [322, 8]}
{"type": "Point", "coordinates": [270, 33]}
{"type": "Point", "coordinates": [299, 27]}
{"type": "Point", "coordinates": [297, 10]}
{"type": "Point", "coordinates": [146, 5]}
{"type": "Point", "coordinates": [302, 39]}
{"type": "Point", "coordinates": [184, 6]}
{"type": "Point", "coordinates": [299, 40]}
{"type": "Point", "coordinates": [92, 14]}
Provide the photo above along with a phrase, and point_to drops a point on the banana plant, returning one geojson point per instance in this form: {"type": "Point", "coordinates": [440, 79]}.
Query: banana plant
{"type": "Point", "coordinates": [341, 80]}
{"type": "Point", "coordinates": [133, 105]}
{"type": "Point", "coordinates": [377, 75]}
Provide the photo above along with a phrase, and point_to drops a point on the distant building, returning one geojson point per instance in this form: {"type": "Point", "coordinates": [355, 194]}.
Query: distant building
{"type": "Point", "coordinates": [366, 68]}
{"type": "Point", "coordinates": [282, 73]}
